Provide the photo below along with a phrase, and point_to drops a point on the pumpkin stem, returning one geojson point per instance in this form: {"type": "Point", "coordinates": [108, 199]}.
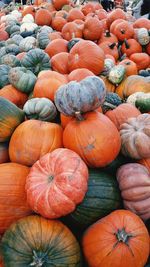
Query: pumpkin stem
{"type": "Point", "coordinates": [79, 116]}
{"type": "Point", "coordinates": [122, 236]}
{"type": "Point", "coordinates": [123, 57]}
{"type": "Point", "coordinates": [126, 44]}
{"type": "Point", "coordinates": [38, 261]}
{"type": "Point", "coordinates": [107, 33]}
{"type": "Point", "coordinates": [112, 45]}
{"type": "Point", "coordinates": [122, 31]}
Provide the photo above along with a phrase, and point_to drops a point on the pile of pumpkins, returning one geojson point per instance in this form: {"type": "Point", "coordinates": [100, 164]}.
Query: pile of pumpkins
{"type": "Point", "coordinates": [74, 136]}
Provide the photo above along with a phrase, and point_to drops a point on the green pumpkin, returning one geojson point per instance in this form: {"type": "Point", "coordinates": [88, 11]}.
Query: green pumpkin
{"type": "Point", "coordinates": [14, 33]}
{"type": "Point", "coordinates": [14, 29]}
{"type": "Point", "coordinates": [12, 49]}
{"type": "Point", "coordinates": [143, 104]}
{"type": "Point", "coordinates": [40, 109]}
{"type": "Point", "coordinates": [102, 197]}
{"type": "Point", "coordinates": [3, 51]}
{"type": "Point", "coordinates": [36, 60]}
{"type": "Point", "coordinates": [43, 39]}
{"type": "Point", "coordinates": [9, 26]}
{"type": "Point", "coordinates": [23, 79]}
{"type": "Point", "coordinates": [17, 38]}
{"type": "Point", "coordinates": [72, 42]}
{"type": "Point", "coordinates": [10, 117]}
{"type": "Point", "coordinates": [2, 44]}
{"type": "Point", "coordinates": [112, 100]}
{"type": "Point", "coordinates": [116, 74]}
{"type": "Point", "coordinates": [4, 70]}
{"type": "Point", "coordinates": [36, 241]}
{"type": "Point", "coordinates": [10, 60]}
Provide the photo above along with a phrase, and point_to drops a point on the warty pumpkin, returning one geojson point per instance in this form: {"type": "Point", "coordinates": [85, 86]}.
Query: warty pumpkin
{"type": "Point", "coordinates": [33, 139]}
{"type": "Point", "coordinates": [120, 239]}
{"type": "Point", "coordinates": [92, 137]}
{"type": "Point", "coordinates": [135, 137]}
{"type": "Point", "coordinates": [25, 245]}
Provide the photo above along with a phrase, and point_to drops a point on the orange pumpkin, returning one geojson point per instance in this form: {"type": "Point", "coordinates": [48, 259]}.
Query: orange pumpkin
{"type": "Point", "coordinates": [12, 94]}
{"type": "Point", "coordinates": [13, 203]}
{"type": "Point", "coordinates": [58, 4]}
{"type": "Point", "coordinates": [131, 46]}
{"type": "Point", "coordinates": [108, 36]}
{"type": "Point", "coordinates": [74, 14]}
{"type": "Point", "coordinates": [110, 87]}
{"type": "Point", "coordinates": [61, 13]}
{"type": "Point", "coordinates": [3, 35]}
{"type": "Point", "coordinates": [58, 23]}
{"type": "Point", "coordinates": [123, 30]}
{"type": "Point", "coordinates": [117, 240]}
{"type": "Point", "coordinates": [55, 35]}
{"type": "Point", "coordinates": [114, 24]}
{"type": "Point", "coordinates": [145, 162]}
{"type": "Point", "coordinates": [142, 23]}
{"type": "Point", "coordinates": [91, 137]}
{"type": "Point", "coordinates": [33, 139]}
{"type": "Point", "coordinates": [101, 14]}
{"type": "Point", "coordinates": [142, 60]}
{"type": "Point", "coordinates": [122, 113]}
{"type": "Point", "coordinates": [47, 84]}
{"type": "Point", "coordinates": [28, 10]}
{"type": "Point", "coordinates": [56, 46]}
{"type": "Point", "coordinates": [148, 49]}
{"type": "Point", "coordinates": [80, 57]}
{"type": "Point", "coordinates": [93, 29]}
{"type": "Point", "coordinates": [4, 155]}
{"type": "Point", "coordinates": [43, 17]}
{"type": "Point", "coordinates": [110, 49]}
{"type": "Point", "coordinates": [90, 7]}
{"type": "Point", "coordinates": [59, 63]}
{"type": "Point", "coordinates": [72, 30]}
{"type": "Point", "coordinates": [117, 13]}
{"type": "Point", "coordinates": [130, 67]}
{"type": "Point", "coordinates": [79, 74]}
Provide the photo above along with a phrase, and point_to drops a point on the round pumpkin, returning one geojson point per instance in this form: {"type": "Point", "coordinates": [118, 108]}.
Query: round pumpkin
{"type": "Point", "coordinates": [130, 47]}
{"type": "Point", "coordinates": [145, 162]}
{"type": "Point", "coordinates": [56, 46]}
{"type": "Point", "coordinates": [80, 57]}
{"type": "Point", "coordinates": [110, 49]}
{"type": "Point", "coordinates": [35, 241]}
{"type": "Point", "coordinates": [117, 13]}
{"type": "Point", "coordinates": [72, 30]}
{"type": "Point", "coordinates": [59, 62]}
{"type": "Point", "coordinates": [28, 10]}
{"type": "Point", "coordinates": [120, 239]}
{"type": "Point", "coordinates": [74, 14]}
{"type": "Point", "coordinates": [58, 4]}
{"type": "Point", "coordinates": [134, 192]}
{"type": "Point", "coordinates": [130, 67]}
{"type": "Point", "coordinates": [33, 139]}
{"type": "Point", "coordinates": [4, 155]}
{"type": "Point", "coordinates": [43, 17]}
{"type": "Point", "coordinates": [107, 36]}
{"type": "Point", "coordinates": [62, 183]}
{"type": "Point", "coordinates": [93, 29]}
{"type": "Point", "coordinates": [142, 60]}
{"type": "Point", "coordinates": [123, 30]}
{"type": "Point", "coordinates": [58, 23]}
{"type": "Point", "coordinates": [142, 23]}
{"type": "Point", "coordinates": [13, 201]}
{"type": "Point", "coordinates": [92, 138]}
{"type": "Point", "coordinates": [79, 74]}
{"type": "Point", "coordinates": [110, 87]}
{"type": "Point", "coordinates": [135, 137]}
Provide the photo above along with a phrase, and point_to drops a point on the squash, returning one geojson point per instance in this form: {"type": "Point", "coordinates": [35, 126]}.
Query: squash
{"type": "Point", "coordinates": [4, 156]}
{"type": "Point", "coordinates": [62, 183]}
{"type": "Point", "coordinates": [43, 17]}
{"type": "Point", "coordinates": [36, 60]}
{"type": "Point", "coordinates": [116, 74]}
{"type": "Point", "coordinates": [4, 70]}
{"type": "Point", "coordinates": [22, 79]}
{"type": "Point", "coordinates": [143, 36]}
{"type": "Point", "coordinates": [80, 97]}
{"type": "Point", "coordinates": [17, 38]}
{"type": "Point", "coordinates": [40, 109]}
{"type": "Point", "coordinates": [136, 131]}
{"type": "Point", "coordinates": [130, 67]}
{"type": "Point", "coordinates": [102, 197]}
{"type": "Point", "coordinates": [10, 60]}
{"type": "Point", "coordinates": [27, 44]}
{"type": "Point", "coordinates": [12, 49]}
{"type": "Point", "coordinates": [123, 30]}
{"type": "Point", "coordinates": [13, 201]}
{"type": "Point", "coordinates": [108, 65]}
{"type": "Point", "coordinates": [93, 29]}
{"type": "Point", "coordinates": [130, 46]}
{"type": "Point", "coordinates": [135, 192]}
{"type": "Point", "coordinates": [132, 98]}
{"type": "Point", "coordinates": [33, 139]}
{"type": "Point", "coordinates": [79, 74]}
{"type": "Point", "coordinates": [72, 30]}
{"type": "Point", "coordinates": [43, 38]}
{"type": "Point", "coordinates": [143, 104]}
{"type": "Point", "coordinates": [10, 117]}
{"type": "Point", "coordinates": [25, 245]}
{"type": "Point", "coordinates": [72, 42]}
{"type": "Point", "coordinates": [112, 100]}
{"type": "Point", "coordinates": [110, 87]}
{"type": "Point", "coordinates": [59, 62]}
{"type": "Point", "coordinates": [91, 137]}
{"type": "Point", "coordinates": [28, 26]}
{"type": "Point", "coordinates": [56, 46]}
{"type": "Point", "coordinates": [120, 239]}
{"type": "Point", "coordinates": [145, 162]}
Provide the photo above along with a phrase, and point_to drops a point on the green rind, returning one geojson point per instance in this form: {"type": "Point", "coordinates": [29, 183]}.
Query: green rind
{"type": "Point", "coordinates": [143, 104]}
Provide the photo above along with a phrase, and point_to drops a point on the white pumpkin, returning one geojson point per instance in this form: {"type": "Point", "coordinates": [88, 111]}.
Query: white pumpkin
{"type": "Point", "coordinates": [28, 18]}
{"type": "Point", "coordinates": [27, 26]}
{"type": "Point", "coordinates": [143, 36]}
{"type": "Point", "coordinates": [8, 18]}
{"type": "Point", "coordinates": [27, 44]}
{"type": "Point", "coordinates": [16, 14]}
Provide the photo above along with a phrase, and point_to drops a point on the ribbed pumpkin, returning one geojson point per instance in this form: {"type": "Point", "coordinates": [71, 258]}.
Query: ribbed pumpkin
{"type": "Point", "coordinates": [108, 36]}
{"type": "Point", "coordinates": [145, 162]}
{"type": "Point", "coordinates": [33, 139]}
{"type": "Point", "coordinates": [142, 23]}
{"type": "Point", "coordinates": [13, 204]}
{"type": "Point", "coordinates": [123, 30]}
{"type": "Point", "coordinates": [74, 14]}
{"type": "Point", "coordinates": [43, 17]}
{"type": "Point", "coordinates": [62, 183]}
{"type": "Point", "coordinates": [35, 241]}
{"type": "Point", "coordinates": [110, 49]}
{"type": "Point", "coordinates": [80, 57]}
{"type": "Point", "coordinates": [102, 197]}
{"type": "Point", "coordinates": [58, 4]}
{"type": "Point", "coordinates": [119, 240]}
{"type": "Point", "coordinates": [4, 155]}
{"type": "Point", "coordinates": [58, 22]}
{"type": "Point", "coordinates": [130, 47]}
{"type": "Point", "coordinates": [10, 117]}
{"type": "Point", "coordinates": [93, 29]}
{"type": "Point", "coordinates": [117, 13]}
{"type": "Point", "coordinates": [92, 138]}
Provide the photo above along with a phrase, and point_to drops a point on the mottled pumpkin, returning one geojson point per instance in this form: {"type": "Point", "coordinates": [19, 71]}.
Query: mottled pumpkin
{"type": "Point", "coordinates": [135, 137]}
{"type": "Point", "coordinates": [35, 241]}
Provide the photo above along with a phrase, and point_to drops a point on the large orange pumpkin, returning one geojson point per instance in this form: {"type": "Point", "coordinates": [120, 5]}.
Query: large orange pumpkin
{"type": "Point", "coordinates": [59, 63]}
{"type": "Point", "coordinates": [142, 23]}
{"type": "Point", "coordinates": [33, 139]}
{"type": "Point", "coordinates": [13, 204]}
{"type": "Point", "coordinates": [93, 29]}
{"type": "Point", "coordinates": [118, 240]}
{"type": "Point", "coordinates": [79, 74]}
{"type": "Point", "coordinates": [43, 17]}
{"type": "Point", "coordinates": [123, 30]}
{"type": "Point", "coordinates": [117, 13]}
{"type": "Point", "coordinates": [86, 54]}
{"type": "Point", "coordinates": [92, 138]}
{"type": "Point", "coordinates": [62, 183]}
{"type": "Point", "coordinates": [56, 46]}
{"type": "Point", "coordinates": [72, 30]}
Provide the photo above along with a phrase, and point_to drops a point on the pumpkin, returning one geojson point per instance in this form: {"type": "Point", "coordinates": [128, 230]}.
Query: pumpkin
{"type": "Point", "coordinates": [43, 38]}
{"type": "Point", "coordinates": [27, 44]}
{"type": "Point", "coordinates": [142, 60]}
{"type": "Point", "coordinates": [59, 62]}
{"type": "Point", "coordinates": [130, 67]}
{"type": "Point", "coordinates": [120, 114]}
{"type": "Point", "coordinates": [95, 144]}
{"type": "Point", "coordinates": [58, 4]}
{"type": "Point", "coordinates": [102, 197]}
{"type": "Point", "coordinates": [58, 23]}
{"type": "Point", "coordinates": [93, 29]}
{"type": "Point", "coordinates": [117, 13]}
{"type": "Point", "coordinates": [112, 100]}
{"type": "Point", "coordinates": [10, 60]}
{"type": "Point", "coordinates": [22, 79]}
{"type": "Point", "coordinates": [79, 57]}
{"type": "Point", "coordinates": [110, 49]}
{"type": "Point", "coordinates": [28, 10]}
{"type": "Point", "coordinates": [12, 94]}
{"type": "Point", "coordinates": [72, 30]}
{"type": "Point", "coordinates": [133, 84]}
{"type": "Point", "coordinates": [10, 117]}
{"type": "Point", "coordinates": [131, 46]}
{"type": "Point", "coordinates": [43, 17]}
{"type": "Point", "coordinates": [110, 87]}
{"type": "Point", "coordinates": [145, 162]}
{"type": "Point", "coordinates": [13, 203]}
{"type": "Point", "coordinates": [139, 95]}
{"type": "Point", "coordinates": [55, 35]}
{"type": "Point", "coordinates": [48, 83]}
{"type": "Point", "coordinates": [4, 69]}
{"type": "Point", "coordinates": [56, 46]}
{"type": "Point", "coordinates": [4, 156]}
{"type": "Point", "coordinates": [101, 14]}
{"type": "Point", "coordinates": [72, 42]}
{"type": "Point", "coordinates": [40, 109]}
{"type": "Point", "coordinates": [3, 35]}
{"type": "Point", "coordinates": [123, 30]}
{"type": "Point", "coordinates": [115, 23]}
{"type": "Point", "coordinates": [134, 192]}
{"type": "Point", "coordinates": [44, 138]}
{"type": "Point", "coordinates": [116, 74]}
{"type": "Point", "coordinates": [75, 98]}
{"type": "Point", "coordinates": [136, 131]}
{"type": "Point", "coordinates": [143, 103]}
{"type": "Point", "coordinates": [107, 36]}
{"type": "Point", "coordinates": [63, 169]}
{"type": "Point", "coordinates": [74, 14]}
{"type": "Point", "coordinates": [79, 74]}
{"type": "Point", "coordinates": [28, 26]}
{"type": "Point", "coordinates": [30, 243]}
{"type": "Point", "coordinates": [143, 36]}
{"type": "Point", "coordinates": [120, 239]}
{"type": "Point", "coordinates": [142, 23]}
{"type": "Point", "coordinates": [36, 60]}
{"type": "Point", "coordinates": [12, 49]}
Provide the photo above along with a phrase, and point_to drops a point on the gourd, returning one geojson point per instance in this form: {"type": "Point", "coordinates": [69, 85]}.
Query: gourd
{"type": "Point", "coordinates": [143, 36]}
{"type": "Point", "coordinates": [143, 104]}
{"type": "Point", "coordinates": [112, 100]}
{"type": "Point", "coordinates": [10, 60]}
{"type": "Point", "coordinates": [116, 74]}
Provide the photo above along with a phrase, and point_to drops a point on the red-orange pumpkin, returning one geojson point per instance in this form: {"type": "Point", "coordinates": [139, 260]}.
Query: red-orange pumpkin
{"type": "Point", "coordinates": [58, 4]}
{"type": "Point", "coordinates": [74, 14]}
{"type": "Point", "coordinates": [55, 35]}
{"type": "Point", "coordinates": [4, 155]}
{"type": "Point", "coordinates": [108, 36]}
{"type": "Point", "coordinates": [58, 23]}
{"type": "Point", "coordinates": [118, 240]}
{"type": "Point", "coordinates": [142, 23]}
{"type": "Point", "coordinates": [13, 204]}
{"type": "Point", "coordinates": [28, 10]}
{"type": "Point", "coordinates": [79, 74]}
{"type": "Point", "coordinates": [130, 66]}
{"type": "Point", "coordinates": [142, 60]}
{"type": "Point", "coordinates": [12, 94]}
{"type": "Point", "coordinates": [148, 49]}
{"type": "Point", "coordinates": [61, 184]}
{"type": "Point", "coordinates": [56, 46]}
{"type": "Point", "coordinates": [93, 29]}
{"type": "Point", "coordinates": [3, 35]}
{"type": "Point", "coordinates": [90, 8]}
{"type": "Point", "coordinates": [33, 139]}
{"type": "Point", "coordinates": [92, 138]}
{"type": "Point", "coordinates": [123, 30]}
{"type": "Point", "coordinates": [115, 23]}
{"type": "Point", "coordinates": [110, 49]}
{"type": "Point", "coordinates": [117, 13]}
{"type": "Point", "coordinates": [72, 30]}
{"type": "Point", "coordinates": [43, 17]}
{"type": "Point", "coordinates": [80, 57]}
{"type": "Point", "coordinates": [59, 63]}
{"type": "Point", "coordinates": [131, 46]}
{"type": "Point", "coordinates": [101, 14]}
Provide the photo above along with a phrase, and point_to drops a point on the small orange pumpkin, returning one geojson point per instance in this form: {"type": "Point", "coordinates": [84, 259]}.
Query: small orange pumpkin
{"type": "Point", "coordinates": [110, 49]}
{"type": "Point", "coordinates": [74, 14]}
{"type": "Point", "coordinates": [56, 46]}
{"type": "Point", "coordinates": [130, 66]}
{"type": "Point", "coordinates": [142, 60]}
{"type": "Point", "coordinates": [72, 30]}
{"type": "Point", "coordinates": [79, 74]}
{"type": "Point", "coordinates": [59, 63]}
{"type": "Point", "coordinates": [43, 17]}
{"type": "Point", "coordinates": [123, 30]}
{"type": "Point", "coordinates": [58, 4]}
{"type": "Point", "coordinates": [117, 13]}
{"type": "Point", "coordinates": [142, 23]}
{"type": "Point", "coordinates": [130, 47]}
{"type": "Point", "coordinates": [58, 23]}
